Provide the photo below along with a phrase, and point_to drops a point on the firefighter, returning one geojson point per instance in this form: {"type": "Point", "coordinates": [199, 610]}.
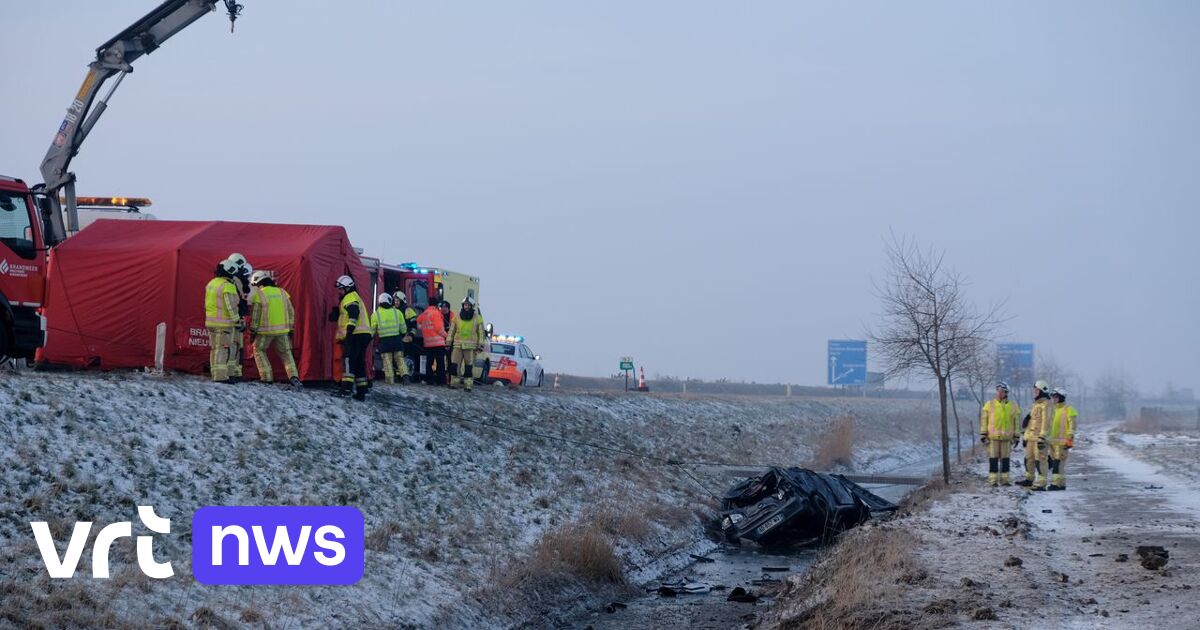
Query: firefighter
{"type": "Point", "coordinates": [466, 341]}
{"type": "Point", "coordinates": [222, 321]}
{"type": "Point", "coordinates": [241, 281]}
{"type": "Point", "coordinates": [388, 324]}
{"type": "Point", "coordinates": [998, 426]}
{"type": "Point", "coordinates": [433, 336]}
{"type": "Point", "coordinates": [272, 319]}
{"type": "Point", "coordinates": [1036, 473]}
{"type": "Point", "coordinates": [354, 333]}
{"type": "Point", "coordinates": [412, 340]}
{"type": "Point", "coordinates": [1059, 436]}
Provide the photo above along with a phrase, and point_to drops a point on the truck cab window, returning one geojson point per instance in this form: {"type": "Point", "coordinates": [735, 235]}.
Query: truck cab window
{"type": "Point", "coordinates": [420, 294]}
{"type": "Point", "coordinates": [16, 232]}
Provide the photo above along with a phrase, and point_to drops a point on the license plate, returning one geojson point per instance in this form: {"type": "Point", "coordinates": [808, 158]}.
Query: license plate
{"type": "Point", "coordinates": [772, 522]}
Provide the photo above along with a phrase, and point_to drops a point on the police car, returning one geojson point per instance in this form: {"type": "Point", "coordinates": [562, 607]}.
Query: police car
{"type": "Point", "coordinates": [511, 362]}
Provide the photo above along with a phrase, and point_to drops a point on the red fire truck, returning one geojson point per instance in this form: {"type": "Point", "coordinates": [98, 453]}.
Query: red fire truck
{"type": "Point", "coordinates": [34, 220]}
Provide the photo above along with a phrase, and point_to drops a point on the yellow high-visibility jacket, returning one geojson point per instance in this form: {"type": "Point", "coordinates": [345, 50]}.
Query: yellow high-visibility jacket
{"type": "Point", "coordinates": [1061, 427]}
{"type": "Point", "coordinates": [1000, 419]}
{"type": "Point", "coordinates": [220, 304]}
{"type": "Point", "coordinates": [1039, 416]}
{"type": "Point", "coordinates": [388, 322]}
{"type": "Point", "coordinates": [271, 311]}
{"type": "Point", "coordinates": [468, 335]}
{"type": "Point", "coordinates": [362, 322]}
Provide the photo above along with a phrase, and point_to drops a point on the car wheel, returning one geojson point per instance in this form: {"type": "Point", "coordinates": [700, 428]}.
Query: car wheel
{"type": "Point", "coordinates": [541, 377]}
{"type": "Point", "coordinates": [524, 378]}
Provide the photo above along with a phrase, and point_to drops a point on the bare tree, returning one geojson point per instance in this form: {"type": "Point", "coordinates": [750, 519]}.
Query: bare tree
{"type": "Point", "coordinates": [929, 326]}
{"type": "Point", "coordinates": [980, 372]}
{"type": "Point", "coordinates": [1116, 393]}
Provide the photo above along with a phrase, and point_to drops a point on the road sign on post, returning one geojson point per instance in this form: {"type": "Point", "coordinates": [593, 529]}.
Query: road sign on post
{"type": "Point", "coordinates": [626, 367]}
{"type": "Point", "coordinates": [847, 362]}
{"type": "Point", "coordinates": [1015, 363]}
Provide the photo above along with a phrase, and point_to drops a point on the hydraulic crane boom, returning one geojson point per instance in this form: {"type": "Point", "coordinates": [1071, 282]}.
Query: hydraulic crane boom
{"type": "Point", "coordinates": [113, 59]}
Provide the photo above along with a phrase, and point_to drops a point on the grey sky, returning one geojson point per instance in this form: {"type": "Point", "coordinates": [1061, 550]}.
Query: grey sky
{"type": "Point", "coordinates": [704, 185]}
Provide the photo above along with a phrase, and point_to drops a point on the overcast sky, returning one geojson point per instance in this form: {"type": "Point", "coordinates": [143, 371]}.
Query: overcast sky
{"type": "Point", "coordinates": [703, 185]}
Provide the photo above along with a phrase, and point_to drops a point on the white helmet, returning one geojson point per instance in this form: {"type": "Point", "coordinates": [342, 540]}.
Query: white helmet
{"type": "Point", "coordinates": [237, 259]}
{"type": "Point", "coordinates": [257, 277]}
{"type": "Point", "coordinates": [384, 298]}
{"type": "Point", "coordinates": [1043, 385]}
{"type": "Point", "coordinates": [1061, 391]}
{"type": "Point", "coordinates": [468, 300]}
{"type": "Point", "coordinates": [400, 297]}
{"type": "Point", "coordinates": [228, 266]}
{"type": "Point", "coordinates": [345, 282]}
{"type": "Point", "coordinates": [1002, 385]}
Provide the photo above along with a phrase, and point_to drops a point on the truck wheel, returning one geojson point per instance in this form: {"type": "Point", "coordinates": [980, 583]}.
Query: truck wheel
{"type": "Point", "coordinates": [5, 335]}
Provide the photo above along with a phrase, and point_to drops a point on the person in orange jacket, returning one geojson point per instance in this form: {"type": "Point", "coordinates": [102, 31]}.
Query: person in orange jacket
{"type": "Point", "coordinates": [433, 335]}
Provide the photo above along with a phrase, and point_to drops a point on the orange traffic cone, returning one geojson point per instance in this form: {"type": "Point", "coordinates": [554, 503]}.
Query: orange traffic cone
{"type": "Point", "coordinates": [555, 381]}
{"type": "Point", "coordinates": [642, 387]}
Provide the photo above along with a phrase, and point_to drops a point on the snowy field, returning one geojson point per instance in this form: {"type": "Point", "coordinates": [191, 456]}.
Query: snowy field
{"type": "Point", "coordinates": [452, 507]}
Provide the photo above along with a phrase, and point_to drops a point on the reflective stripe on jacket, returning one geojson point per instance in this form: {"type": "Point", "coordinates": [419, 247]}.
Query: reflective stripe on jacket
{"type": "Point", "coordinates": [467, 334]}
{"type": "Point", "coordinates": [388, 322]}
{"type": "Point", "coordinates": [998, 420]}
{"type": "Point", "coordinates": [271, 311]}
{"type": "Point", "coordinates": [1038, 416]}
{"type": "Point", "coordinates": [220, 304]}
{"type": "Point", "coordinates": [1062, 424]}
{"type": "Point", "coordinates": [362, 323]}
{"type": "Point", "coordinates": [432, 327]}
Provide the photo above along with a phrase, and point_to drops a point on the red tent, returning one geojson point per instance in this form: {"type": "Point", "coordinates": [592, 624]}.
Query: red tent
{"type": "Point", "coordinates": [114, 282]}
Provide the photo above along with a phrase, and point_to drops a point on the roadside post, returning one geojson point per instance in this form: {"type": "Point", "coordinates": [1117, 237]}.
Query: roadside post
{"type": "Point", "coordinates": [626, 367]}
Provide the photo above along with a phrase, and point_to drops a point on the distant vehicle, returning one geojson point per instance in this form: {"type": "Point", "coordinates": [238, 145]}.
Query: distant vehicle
{"type": "Point", "coordinates": [421, 285]}
{"type": "Point", "coordinates": [510, 361]}
{"type": "Point", "coordinates": [92, 209]}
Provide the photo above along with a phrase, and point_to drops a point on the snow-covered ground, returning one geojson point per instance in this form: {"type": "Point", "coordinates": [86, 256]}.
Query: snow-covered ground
{"type": "Point", "coordinates": [452, 507]}
{"type": "Point", "coordinates": [1176, 453]}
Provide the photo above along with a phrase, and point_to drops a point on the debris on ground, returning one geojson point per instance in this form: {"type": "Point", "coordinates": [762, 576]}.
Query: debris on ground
{"type": "Point", "coordinates": [793, 505]}
{"type": "Point", "coordinates": [1153, 557]}
{"type": "Point", "coordinates": [1122, 557]}
{"type": "Point", "coordinates": [1013, 561]}
{"type": "Point", "coordinates": [941, 607]}
{"type": "Point", "coordinates": [686, 586]}
{"type": "Point", "coordinates": [613, 607]}
{"type": "Point", "coordinates": [984, 614]}
{"type": "Point", "coordinates": [742, 595]}
{"type": "Point", "coordinates": [699, 558]}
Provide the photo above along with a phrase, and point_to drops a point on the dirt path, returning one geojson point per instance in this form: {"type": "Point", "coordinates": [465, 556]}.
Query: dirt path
{"type": "Point", "coordinates": [1010, 558]}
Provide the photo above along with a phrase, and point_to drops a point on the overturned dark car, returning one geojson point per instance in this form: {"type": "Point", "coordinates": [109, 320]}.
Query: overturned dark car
{"type": "Point", "coordinates": [786, 506]}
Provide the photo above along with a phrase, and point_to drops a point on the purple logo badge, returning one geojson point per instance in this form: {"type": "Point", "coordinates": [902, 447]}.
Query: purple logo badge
{"type": "Point", "coordinates": [277, 545]}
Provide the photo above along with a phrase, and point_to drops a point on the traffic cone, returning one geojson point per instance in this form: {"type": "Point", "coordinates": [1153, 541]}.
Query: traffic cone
{"type": "Point", "coordinates": [555, 381]}
{"type": "Point", "coordinates": [642, 387]}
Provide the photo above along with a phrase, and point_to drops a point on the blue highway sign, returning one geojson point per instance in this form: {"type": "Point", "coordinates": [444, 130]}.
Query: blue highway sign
{"type": "Point", "coordinates": [847, 362]}
{"type": "Point", "coordinates": [1015, 363]}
